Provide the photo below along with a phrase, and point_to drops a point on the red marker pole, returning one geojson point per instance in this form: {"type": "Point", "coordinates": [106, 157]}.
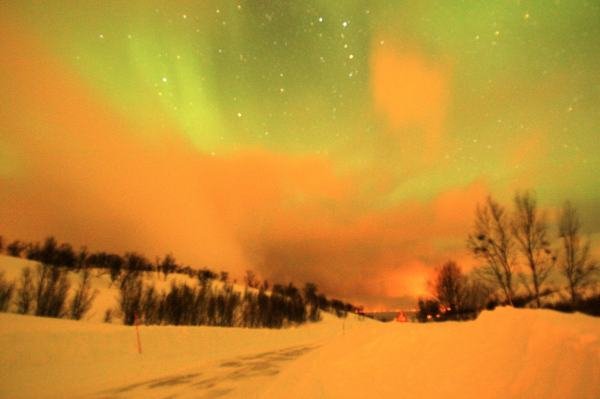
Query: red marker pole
{"type": "Point", "coordinates": [137, 333]}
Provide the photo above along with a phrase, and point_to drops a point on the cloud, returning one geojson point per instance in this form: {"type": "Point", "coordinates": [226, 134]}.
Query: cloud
{"type": "Point", "coordinates": [410, 92]}
{"type": "Point", "coordinates": [375, 254]}
{"type": "Point", "coordinates": [88, 176]}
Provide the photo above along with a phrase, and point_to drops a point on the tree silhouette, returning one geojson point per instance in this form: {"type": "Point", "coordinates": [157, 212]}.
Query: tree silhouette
{"type": "Point", "coordinates": [250, 279]}
{"type": "Point", "coordinates": [83, 297]}
{"type": "Point", "coordinates": [493, 243]}
{"type": "Point", "coordinates": [52, 287]}
{"type": "Point", "coordinates": [575, 261]}
{"type": "Point", "coordinates": [25, 291]}
{"type": "Point", "coordinates": [168, 265]}
{"type": "Point", "coordinates": [6, 292]}
{"type": "Point", "coordinates": [530, 229]}
{"type": "Point", "coordinates": [312, 299]}
{"type": "Point", "coordinates": [15, 248]}
{"type": "Point", "coordinates": [448, 287]}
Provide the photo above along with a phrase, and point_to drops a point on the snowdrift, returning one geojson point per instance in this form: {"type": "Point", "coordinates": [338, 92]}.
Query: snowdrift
{"type": "Point", "coordinates": [506, 353]}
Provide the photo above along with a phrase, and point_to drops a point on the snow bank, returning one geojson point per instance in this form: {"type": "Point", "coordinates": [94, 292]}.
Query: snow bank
{"type": "Point", "coordinates": [507, 353]}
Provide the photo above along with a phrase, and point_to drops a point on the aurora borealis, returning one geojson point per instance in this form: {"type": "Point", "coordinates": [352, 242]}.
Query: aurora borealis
{"type": "Point", "coordinates": [341, 142]}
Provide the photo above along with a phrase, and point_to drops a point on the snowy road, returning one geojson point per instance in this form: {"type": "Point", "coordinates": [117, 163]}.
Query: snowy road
{"type": "Point", "coordinates": [242, 376]}
{"type": "Point", "coordinates": [506, 353]}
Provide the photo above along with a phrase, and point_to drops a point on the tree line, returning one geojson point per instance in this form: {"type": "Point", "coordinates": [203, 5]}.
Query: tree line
{"type": "Point", "coordinates": [520, 250]}
{"type": "Point", "coordinates": [214, 301]}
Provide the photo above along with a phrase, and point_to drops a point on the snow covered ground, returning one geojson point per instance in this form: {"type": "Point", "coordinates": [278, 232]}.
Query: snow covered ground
{"type": "Point", "coordinates": [52, 358]}
{"type": "Point", "coordinates": [505, 353]}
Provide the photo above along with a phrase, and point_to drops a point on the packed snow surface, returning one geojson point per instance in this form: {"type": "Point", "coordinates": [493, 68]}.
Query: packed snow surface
{"type": "Point", "coordinates": [506, 353]}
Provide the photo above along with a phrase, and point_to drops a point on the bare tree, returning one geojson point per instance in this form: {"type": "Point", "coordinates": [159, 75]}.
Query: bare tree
{"type": "Point", "coordinates": [26, 291]}
{"type": "Point", "coordinates": [224, 276]}
{"type": "Point", "coordinates": [575, 261]}
{"type": "Point", "coordinates": [130, 298]}
{"type": "Point", "coordinates": [16, 248]}
{"type": "Point", "coordinates": [493, 243]}
{"type": "Point", "coordinates": [311, 297]}
{"type": "Point", "coordinates": [52, 288]}
{"type": "Point", "coordinates": [476, 293]}
{"type": "Point", "coordinates": [448, 286]}
{"type": "Point", "coordinates": [84, 296]}
{"type": "Point", "coordinates": [250, 279]}
{"type": "Point", "coordinates": [530, 229]}
{"type": "Point", "coordinates": [168, 265]}
{"type": "Point", "coordinates": [6, 292]}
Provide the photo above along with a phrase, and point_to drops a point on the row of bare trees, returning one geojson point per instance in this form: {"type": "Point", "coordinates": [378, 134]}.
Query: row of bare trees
{"type": "Point", "coordinates": [44, 290]}
{"type": "Point", "coordinates": [214, 305]}
{"type": "Point", "coordinates": [517, 247]}
{"type": "Point", "coordinates": [454, 295]}
{"type": "Point", "coordinates": [51, 252]}
{"type": "Point", "coordinates": [507, 242]}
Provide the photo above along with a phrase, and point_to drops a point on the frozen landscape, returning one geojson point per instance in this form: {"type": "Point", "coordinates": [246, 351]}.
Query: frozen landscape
{"type": "Point", "coordinates": [299, 199]}
{"type": "Point", "coordinates": [506, 353]}
{"type": "Point", "coordinates": [515, 353]}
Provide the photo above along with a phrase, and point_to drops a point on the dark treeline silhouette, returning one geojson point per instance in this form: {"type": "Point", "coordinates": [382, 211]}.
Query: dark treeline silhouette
{"type": "Point", "coordinates": [219, 304]}
{"type": "Point", "coordinates": [518, 249]}
{"type": "Point", "coordinates": [44, 291]}
{"type": "Point", "coordinates": [209, 304]}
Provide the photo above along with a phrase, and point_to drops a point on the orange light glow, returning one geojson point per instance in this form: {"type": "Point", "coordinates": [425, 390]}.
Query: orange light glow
{"type": "Point", "coordinates": [410, 91]}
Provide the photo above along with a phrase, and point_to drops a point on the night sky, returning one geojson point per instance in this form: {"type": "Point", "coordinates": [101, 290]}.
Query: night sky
{"type": "Point", "coordinates": [341, 142]}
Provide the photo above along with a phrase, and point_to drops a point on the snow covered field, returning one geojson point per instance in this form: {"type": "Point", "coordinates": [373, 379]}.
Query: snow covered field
{"type": "Point", "coordinates": [51, 358]}
{"type": "Point", "coordinates": [505, 353]}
